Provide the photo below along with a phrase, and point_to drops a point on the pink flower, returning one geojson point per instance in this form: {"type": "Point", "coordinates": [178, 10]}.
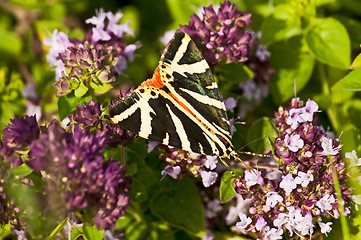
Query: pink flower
{"type": "Point", "coordinates": [208, 178]}
{"type": "Point", "coordinates": [294, 142]}
{"type": "Point", "coordinates": [288, 183]}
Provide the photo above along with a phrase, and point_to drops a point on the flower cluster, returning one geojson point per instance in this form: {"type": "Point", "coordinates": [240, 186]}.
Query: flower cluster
{"type": "Point", "coordinates": [221, 34]}
{"type": "Point", "coordinates": [301, 193]}
{"type": "Point", "coordinates": [90, 117]}
{"type": "Point", "coordinates": [91, 63]}
{"type": "Point", "coordinates": [194, 164]}
{"type": "Point", "coordinates": [77, 177]}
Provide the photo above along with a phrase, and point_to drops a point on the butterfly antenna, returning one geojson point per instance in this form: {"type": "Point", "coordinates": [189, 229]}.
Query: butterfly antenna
{"type": "Point", "coordinates": [255, 154]}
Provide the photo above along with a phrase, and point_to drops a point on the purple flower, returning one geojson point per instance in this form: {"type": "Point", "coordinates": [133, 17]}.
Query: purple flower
{"type": "Point", "coordinates": [91, 63]}
{"type": "Point", "coordinates": [293, 142]}
{"type": "Point", "coordinates": [261, 223]}
{"type": "Point", "coordinates": [58, 43]}
{"type": "Point", "coordinates": [208, 178]}
{"type": "Point", "coordinates": [221, 34]}
{"type": "Point", "coordinates": [308, 111]}
{"type": "Point", "coordinates": [171, 171]}
{"type": "Point", "coordinates": [78, 175]}
{"type": "Point", "coordinates": [21, 132]}
{"type": "Point", "coordinates": [102, 33]}
{"type": "Point", "coordinates": [294, 118]}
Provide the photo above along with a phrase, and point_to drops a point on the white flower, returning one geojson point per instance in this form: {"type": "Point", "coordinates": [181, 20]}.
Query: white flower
{"type": "Point", "coordinates": [273, 234]}
{"type": "Point", "coordinates": [245, 221]}
{"type": "Point", "coordinates": [253, 177]}
{"type": "Point", "coordinates": [273, 198]}
{"type": "Point", "coordinates": [208, 178]}
{"type": "Point", "coordinates": [325, 227]}
{"type": "Point", "coordinates": [354, 161]}
{"type": "Point", "coordinates": [212, 208]}
{"type": "Point", "coordinates": [242, 206]}
{"type": "Point", "coordinates": [294, 142]}
{"type": "Point", "coordinates": [288, 183]}
{"type": "Point", "coordinates": [327, 147]}
{"type": "Point", "coordinates": [210, 162]}
{"type": "Point", "coordinates": [304, 178]}
{"type": "Point", "coordinates": [325, 203]}
{"type": "Point", "coordinates": [172, 171]}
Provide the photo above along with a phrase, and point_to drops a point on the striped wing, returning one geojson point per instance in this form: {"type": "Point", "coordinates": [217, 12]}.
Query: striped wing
{"type": "Point", "coordinates": [180, 105]}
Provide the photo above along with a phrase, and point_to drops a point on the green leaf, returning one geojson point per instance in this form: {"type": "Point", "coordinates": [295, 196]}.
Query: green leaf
{"type": "Point", "coordinates": [101, 88]}
{"type": "Point", "coordinates": [57, 229]}
{"type": "Point", "coordinates": [329, 42]}
{"type": "Point", "coordinates": [10, 44]}
{"type": "Point", "coordinates": [291, 65]}
{"type": "Point", "coordinates": [138, 192]}
{"type": "Point", "coordinates": [282, 24]}
{"type": "Point", "coordinates": [22, 170]}
{"type": "Point", "coordinates": [76, 233]}
{"type": "Point", "coordinates": [234, 72]}
{"type": "Point", "coordinates": [226, 189]}
{"type": "Point", "coordinates": [181, 206]}
{"type": "Point", "coordinates": [356, 63]}
{"type": "Point", "coordinates": [354, 113]}
{"type": "Point", "coordinates": [67, 104]}
{"type": "Point", "coordinates": [259, 134]}
{"type": "Point", "coordinates": [5, 230]}
{"type": "Point", "coordinates": [350, 82]}
{"type": "Point", "coordinates": [81, 90]}
{"type": "Point", "coordinates": [92, 233]}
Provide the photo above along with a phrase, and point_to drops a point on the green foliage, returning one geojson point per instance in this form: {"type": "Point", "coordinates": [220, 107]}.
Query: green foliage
{"type": "Point", "coordinates": [226, 189]}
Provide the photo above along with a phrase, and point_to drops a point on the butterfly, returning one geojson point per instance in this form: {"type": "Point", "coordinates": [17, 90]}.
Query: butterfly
{"type": "Point", "coordinates": [180, 106]}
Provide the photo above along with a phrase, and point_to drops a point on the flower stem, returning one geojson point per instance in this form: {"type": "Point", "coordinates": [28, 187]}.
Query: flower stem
{"type": "Point", "coordinates": [331, 111]}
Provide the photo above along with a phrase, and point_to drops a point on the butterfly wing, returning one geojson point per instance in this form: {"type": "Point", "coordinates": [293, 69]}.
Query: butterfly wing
{"type": "Point", "coordinates": [180, 106]}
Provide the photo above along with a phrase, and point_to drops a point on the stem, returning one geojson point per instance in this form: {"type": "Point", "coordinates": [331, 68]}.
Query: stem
{"type": "Point", "coordinates": [344, 225]}
{"type": "Point", "coordinates": [331, 111]}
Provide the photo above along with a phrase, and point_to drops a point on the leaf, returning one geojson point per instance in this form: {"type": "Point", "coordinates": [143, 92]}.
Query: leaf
{"type": "Point", "coordinates": [282, 24]}
{"type": "Point", "coordinates": [350, 82]}
{"type": "Point", "coordinates": [291, 64]}
{"type": "Point", "coordinates": [259, 133]}
{"type": "Point", "coordinates": [81, 90]}
{"type": "Point", "coordinates": [138, 192]}
{"type": "Point", "coordinates": [67, 104]}
{"type": "Point", "coordinates": [101, 88]}
{"type": "Point", "coordinates": [181, 206]}
{"type": "Point", "coordinates": [22, 170]}
{"type": "Point", "coordinates": [234, 72]}
{"type": "Point", "coordinates": [226, 189]}
{"type": "Point", "coordinates": [57, 229]}
{"type": "Point", "coordinates": [329, 42]}
{"type": "Point", "coordinates": [91, 232]}
{"type": "Point", "coordinates": [354, 113]}
{"type": "Point", "coordinates": [10, 44]}
{"type": "Point", "coordinates": [356, 63]}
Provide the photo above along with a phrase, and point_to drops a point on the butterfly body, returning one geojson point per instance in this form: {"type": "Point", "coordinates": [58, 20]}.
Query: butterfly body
{"type": "Point", "coordinates": [180, 105]}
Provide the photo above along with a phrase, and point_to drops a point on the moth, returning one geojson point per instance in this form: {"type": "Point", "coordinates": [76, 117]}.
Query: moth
{"type": "Point", "coordinates": [180, 105]}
